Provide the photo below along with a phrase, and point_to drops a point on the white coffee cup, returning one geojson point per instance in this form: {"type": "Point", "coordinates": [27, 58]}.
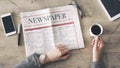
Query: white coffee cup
{"type": "Point", "coordinates": [96, 30]}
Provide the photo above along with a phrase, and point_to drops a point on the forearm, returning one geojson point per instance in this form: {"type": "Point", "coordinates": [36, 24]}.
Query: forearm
{"type": "Point", "coordinates": [98, 64]}
{"type": "Point", "coordinates": [59, 52]}
{"type": "Point", "coordinates": [30, 62]}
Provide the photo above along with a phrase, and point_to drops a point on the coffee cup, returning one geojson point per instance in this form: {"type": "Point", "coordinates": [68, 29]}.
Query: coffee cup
{"type": "Point", "coordinates": [96, 30]}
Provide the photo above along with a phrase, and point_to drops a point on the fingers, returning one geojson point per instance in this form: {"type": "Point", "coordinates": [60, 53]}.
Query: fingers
{"type": "Point", "coordinates": [93, 42]}
{"type": "Point", "coordinates": [101, 43]}
{"type": "Point", "coordinates": [97, 43]}
{"type": "Point", "coordinates": [63, 49]}
{"type": "Point", "coordinates": [65, 56]}
{"type": "Point", "coordinates": [101, 40]}
{"type": "Point", "coordinates": [96, 40]}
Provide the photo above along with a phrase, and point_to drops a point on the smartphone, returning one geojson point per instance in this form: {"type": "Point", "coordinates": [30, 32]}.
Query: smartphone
{"type": "Point", "coordinates": [8, 24]}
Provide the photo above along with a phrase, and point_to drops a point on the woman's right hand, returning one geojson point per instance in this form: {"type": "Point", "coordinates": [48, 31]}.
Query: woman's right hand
{"type": "Point", "coordinates": [97, 44]}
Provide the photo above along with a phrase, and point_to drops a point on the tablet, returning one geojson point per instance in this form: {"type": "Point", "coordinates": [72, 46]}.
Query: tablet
{"type": "Point", "coordinates": [112, 8]}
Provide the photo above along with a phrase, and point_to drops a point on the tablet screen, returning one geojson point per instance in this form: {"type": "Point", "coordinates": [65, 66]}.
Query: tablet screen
{"type": "Point", "coordinates": [112, 8]}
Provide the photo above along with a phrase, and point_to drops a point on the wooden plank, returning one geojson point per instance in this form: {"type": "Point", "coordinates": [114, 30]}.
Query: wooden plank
{"type": "Point", "coordinates": [10, 54]}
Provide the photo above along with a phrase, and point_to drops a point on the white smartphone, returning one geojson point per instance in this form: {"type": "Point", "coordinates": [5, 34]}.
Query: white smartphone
{"type": "Point", "coordinates": [8, 24]}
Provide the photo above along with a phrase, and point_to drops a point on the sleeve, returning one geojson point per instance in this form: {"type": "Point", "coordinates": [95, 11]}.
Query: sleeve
{"type": "Point", "coordinates": [97, 65]}
{"type": "Point", "coordinates": [30, 62]}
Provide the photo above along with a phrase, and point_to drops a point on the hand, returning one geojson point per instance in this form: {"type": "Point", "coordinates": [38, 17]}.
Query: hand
{"type": "Point", "coordinates": [97, 44]}
{"type": "Point", "coordinates": [60, 52]}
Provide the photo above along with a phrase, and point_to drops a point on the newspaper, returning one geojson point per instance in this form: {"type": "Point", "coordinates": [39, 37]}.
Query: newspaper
{"type": "Point", "coordinates": [44, 29]}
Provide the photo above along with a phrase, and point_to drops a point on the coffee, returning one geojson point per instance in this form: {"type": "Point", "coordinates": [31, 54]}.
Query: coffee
{"type": "Point", "coordinates": [96, 30]}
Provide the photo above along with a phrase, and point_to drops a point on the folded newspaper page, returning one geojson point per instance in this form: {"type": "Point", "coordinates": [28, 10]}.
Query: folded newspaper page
{"type": "Point", "coordinates": [44, 29]}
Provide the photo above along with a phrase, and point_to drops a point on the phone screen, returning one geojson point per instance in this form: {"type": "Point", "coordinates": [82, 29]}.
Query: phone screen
{"type": "Point", "coordinates": [8, 24]}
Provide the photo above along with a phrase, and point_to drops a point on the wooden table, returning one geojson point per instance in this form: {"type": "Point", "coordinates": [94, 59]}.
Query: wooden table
{"type": "Point", "coordinates": [10, 53]}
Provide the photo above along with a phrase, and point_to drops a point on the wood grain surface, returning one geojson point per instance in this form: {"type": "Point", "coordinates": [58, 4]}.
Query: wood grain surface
{"type": "Point", "coordinates": [11, 54]}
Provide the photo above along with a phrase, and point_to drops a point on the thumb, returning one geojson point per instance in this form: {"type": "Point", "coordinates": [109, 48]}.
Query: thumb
{"type": "Point", "coordinates": [96, 41]}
